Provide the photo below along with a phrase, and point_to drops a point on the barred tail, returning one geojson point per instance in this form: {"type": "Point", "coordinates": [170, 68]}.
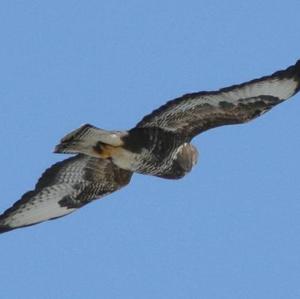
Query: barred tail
{"type": "Point", "coordinates": [85, 139]}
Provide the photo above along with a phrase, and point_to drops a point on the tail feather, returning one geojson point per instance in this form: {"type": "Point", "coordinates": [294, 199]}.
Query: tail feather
{"type": "Point", "coordinates": [85, 139]}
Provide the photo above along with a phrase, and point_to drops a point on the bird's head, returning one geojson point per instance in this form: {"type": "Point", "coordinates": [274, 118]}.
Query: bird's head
{"type": "Point", "coordinates": [187, 157]}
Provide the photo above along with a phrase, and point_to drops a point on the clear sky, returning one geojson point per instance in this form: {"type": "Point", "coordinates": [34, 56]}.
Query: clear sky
{"type": "Point", "coordinates": [230, 229]}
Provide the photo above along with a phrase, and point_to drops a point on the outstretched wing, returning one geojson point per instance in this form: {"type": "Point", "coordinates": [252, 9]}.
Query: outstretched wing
{"type": "Point", "coordinates": [63, 188]}
{"type": "Point", "coordinates": [194, 113]}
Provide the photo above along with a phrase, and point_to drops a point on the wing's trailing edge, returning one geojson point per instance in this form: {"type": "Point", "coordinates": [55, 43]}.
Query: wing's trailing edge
{"type": "Point", "coordinates": [63, 188]}
{"type": "Point", "coordinates": [197, 112]}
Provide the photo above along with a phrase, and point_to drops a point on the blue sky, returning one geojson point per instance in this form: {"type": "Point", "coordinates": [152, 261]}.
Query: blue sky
{"type": "Point", "coordinates": [230, 229]}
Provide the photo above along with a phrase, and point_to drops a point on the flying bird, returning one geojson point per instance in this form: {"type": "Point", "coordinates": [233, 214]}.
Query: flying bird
{"type": "Point", "coordinates": [159, 145]}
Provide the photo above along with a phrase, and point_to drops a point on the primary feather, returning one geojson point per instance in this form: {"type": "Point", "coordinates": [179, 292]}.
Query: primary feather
{"type": "Point", "coordinates": [197, 112]}
{"type": "Point", "coordinates": [63, 188]}
{"type": "Point", "coordinates": [159, 145]}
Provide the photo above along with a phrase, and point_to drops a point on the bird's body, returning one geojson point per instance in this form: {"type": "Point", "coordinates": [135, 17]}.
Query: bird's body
{"type": "Point", "coordinates": [159, 145]}
{"type": "Point", "coordinates": [151, 151]}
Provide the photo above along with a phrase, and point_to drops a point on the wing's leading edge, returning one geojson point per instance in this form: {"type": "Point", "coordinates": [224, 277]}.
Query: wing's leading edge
{"type": "Point", "coordinates": [194, 113]}
{"type": "Point", "coordinates": [63, 188]}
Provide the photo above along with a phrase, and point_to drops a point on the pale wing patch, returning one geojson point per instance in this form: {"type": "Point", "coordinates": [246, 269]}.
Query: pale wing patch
{"type": "Point", "coordinates": [281, 89]}
{"type": "Point", "coordinates": [194, 113]}
{"type": "Point", "coordinates": [63, 188]}
{"type": "Point", "coordinates": [43, 206]}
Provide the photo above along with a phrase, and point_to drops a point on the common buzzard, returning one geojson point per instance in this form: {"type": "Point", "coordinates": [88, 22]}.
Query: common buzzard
{"type": "Point", "coordinates": [158, 145]}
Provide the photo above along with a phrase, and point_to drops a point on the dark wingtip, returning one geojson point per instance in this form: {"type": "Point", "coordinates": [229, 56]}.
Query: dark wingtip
{"type": "Point", "coordinates": [292, 71]}
{"type": "Point", "coordinates": [5, 228]}
{"type": "Point", "coordinates": [297, 71]}
{"type": "Point", "coordinates": [296, 67]}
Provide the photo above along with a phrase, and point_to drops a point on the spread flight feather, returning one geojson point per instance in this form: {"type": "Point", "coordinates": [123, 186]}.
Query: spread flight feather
{"type": "Point", "coordinates": [159, 145]}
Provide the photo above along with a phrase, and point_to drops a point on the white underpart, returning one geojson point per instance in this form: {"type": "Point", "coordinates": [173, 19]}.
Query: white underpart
{"type": "Point", "coordinates": [126, 159]}
{"type": "Point", "coordinates": [111, 138]}
{"type": "Point", "coordinates": [41, 207]}
{"type": "Point", "coordinates": [279, 88]}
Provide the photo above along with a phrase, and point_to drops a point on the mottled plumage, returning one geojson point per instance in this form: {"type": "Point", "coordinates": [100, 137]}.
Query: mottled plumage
{"type": "Point", "coordinates": [63, 188]}
{"type": "Point", "coordinates": [159, 145]}
{"type": "Point", "coordinates": [197, 112]}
